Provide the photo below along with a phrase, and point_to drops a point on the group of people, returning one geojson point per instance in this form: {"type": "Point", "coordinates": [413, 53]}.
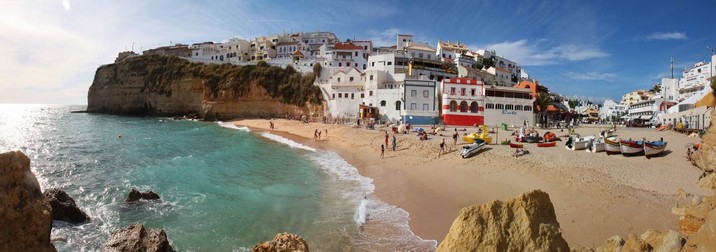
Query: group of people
{"type": "Point", "coordinates": [317, 134]}
{"type": "Point", "coordinates": [382, 146]}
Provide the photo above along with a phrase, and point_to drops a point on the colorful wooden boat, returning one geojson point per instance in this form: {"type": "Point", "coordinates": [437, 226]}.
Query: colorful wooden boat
{"type": "Point", "coordinates": [515, 145]}
{"type": "Point", "coordinates": [654, 148]}
{"type": "Point", "coordinates": [547, 144]}
{"type": "Point", "coordinates": [596, 145]}
{"type": "Point", "coordinates": [631, 148]}
{"type": "Point", "coordinates": [578, 143]}
{"type": "Point", "coordinates": [611, 145]}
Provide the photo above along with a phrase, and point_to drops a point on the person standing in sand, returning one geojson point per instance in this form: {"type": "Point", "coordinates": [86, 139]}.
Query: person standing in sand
{"type": "Point", "coordinates": [394, 142]}
{"type": "Point", "coordinates": [442, 147]}
{"type": "Point", "coordinates": [386, 138]}
{"type": "Point", "coordinates": [454, 137]}
{"type": "Point", "coordinates": [382, 151]}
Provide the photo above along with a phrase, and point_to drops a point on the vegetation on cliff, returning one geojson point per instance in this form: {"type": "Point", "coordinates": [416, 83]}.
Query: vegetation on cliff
{"type": "Point", "coordinates": [285, 83]}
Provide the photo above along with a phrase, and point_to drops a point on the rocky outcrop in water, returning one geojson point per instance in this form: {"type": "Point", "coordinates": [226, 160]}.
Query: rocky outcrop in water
{"type": "Point", "coordinates": [135, 196]}
{"type": "Point", "coordinates": [525, 223]}
{"type": "Point", "coordinates": [167, 86]}
{"type": "Point", "coordinates": [64, 207]}
{"type": "Point", "coordinates": [136, 238]}
{"type": "Point", "coordinates": [283, 242]}
{"type": "Point", "coordinates": [25, 214]}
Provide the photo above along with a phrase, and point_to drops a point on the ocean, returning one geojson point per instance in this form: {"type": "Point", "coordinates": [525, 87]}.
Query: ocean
{"type": "Point", "coordinates": [222, 187]}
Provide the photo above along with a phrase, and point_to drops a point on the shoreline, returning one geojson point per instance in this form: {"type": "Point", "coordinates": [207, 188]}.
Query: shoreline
{"type": "Point", "coordinates": [591, 203]}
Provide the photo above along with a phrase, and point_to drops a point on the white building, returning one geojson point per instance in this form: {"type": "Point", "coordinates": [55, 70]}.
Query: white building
{"type": "Point", "coordinates": [670, 89]}
{"type": "Point", "coordinates": [644, 111]}
{"type": "Point", "coordinates": [509, 105]}
{"type": "Point", "coordinates": [343, 91]}
{"type": "Point", "coordinates": [463, 101]}
{"type": "Point", "coordinates": [611, 111]}
{"type": "Point", "coordinates": [509, 72]}
{"type": "Point", "coordinates": [695, 78]}
{"type": "Point", "coordinates": [421, 102]}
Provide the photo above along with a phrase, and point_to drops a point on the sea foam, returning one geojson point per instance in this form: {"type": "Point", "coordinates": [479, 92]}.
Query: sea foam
{"type": "Point", "coordinates": [233, 126]}
{"type": "Point", "coordinates": [287, 141]}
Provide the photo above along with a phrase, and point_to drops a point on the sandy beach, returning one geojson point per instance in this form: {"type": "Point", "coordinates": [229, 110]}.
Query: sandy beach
{"type": "Point", "coordinates": [595, 195]}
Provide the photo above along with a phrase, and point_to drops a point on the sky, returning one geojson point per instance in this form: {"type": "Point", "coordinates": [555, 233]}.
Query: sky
{"type": "Point", "coordinates": [50, 49]}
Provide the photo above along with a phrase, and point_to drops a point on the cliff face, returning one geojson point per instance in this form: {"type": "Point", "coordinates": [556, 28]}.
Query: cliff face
{"type": "Point", "coordinates": [167, 86]}
{"type": "Point", "coordinates": [25, 219]}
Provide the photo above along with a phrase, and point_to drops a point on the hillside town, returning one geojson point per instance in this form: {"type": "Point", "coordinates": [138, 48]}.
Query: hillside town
{"type": "Point", "coordinates": [418, 83]}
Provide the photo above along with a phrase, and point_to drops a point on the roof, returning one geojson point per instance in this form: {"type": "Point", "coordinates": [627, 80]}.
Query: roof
{"type": "Point", "coordinates": [298, 53]}
{"type": "Point", "coordinates": [420, 47]}
{"type": "Point", "coordinates": [448, 45]}
{"type": "Point", "coordinates": [287, 43]}
{"type": "Point", "coordinates": [346, 46]}
{"type": "Point", "coordinates": [503, 69]}
{"type": "Point", "coordinates": [462, 81]}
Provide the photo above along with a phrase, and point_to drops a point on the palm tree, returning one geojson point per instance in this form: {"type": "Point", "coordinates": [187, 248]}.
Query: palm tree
{"type": "Point", "coordinates": [542, 101]}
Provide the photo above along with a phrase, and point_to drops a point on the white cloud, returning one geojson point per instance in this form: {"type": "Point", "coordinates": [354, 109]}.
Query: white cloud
{"type": "Point", "coordinates": [527, 54]}
{"type": "Point", "coordinates": [665, 36]}
{"type": "Point", "coordinates": [385, 37]}
{"type": "Point", "coordinates": [591, 76]}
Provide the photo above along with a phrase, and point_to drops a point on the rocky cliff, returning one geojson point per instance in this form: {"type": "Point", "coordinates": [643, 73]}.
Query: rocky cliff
{"type": "Point", "coordinates": [525, 223]}
{"type": "Point", "coordinates": [166, 86]}
{"type": "Point", "coordinates": [25, 214]}
{"type": "Point", "coordinates": [705, 157]}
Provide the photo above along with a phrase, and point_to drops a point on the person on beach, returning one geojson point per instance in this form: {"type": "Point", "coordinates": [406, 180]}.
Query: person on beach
{"type": "Point", "coordinates": [315, 135]}
{"type": "Point", "coordinates": [394, 142]}
{"type": "Point", "coordinates": [386, 138]}
{"type": "Point", "coordinates": [382, 151]}
{"type": "Point", "coordinates": [442, 147]}
{"type": "Point", "coordinates": [454, 137]}
{"type": "Point", "coordinates": [271, 125]}
{"type": "Point", "coordinates": [319, 134]}
{"type": "Point", "coordinates": [326, 133]}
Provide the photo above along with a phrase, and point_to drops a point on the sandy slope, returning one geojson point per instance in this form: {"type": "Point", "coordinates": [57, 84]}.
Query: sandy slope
{"type": "Point", "coordinates": [595, 195]}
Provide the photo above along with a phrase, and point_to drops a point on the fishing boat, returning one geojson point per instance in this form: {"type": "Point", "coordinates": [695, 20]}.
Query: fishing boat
{"type": "Point", "coordinates": [596, 145]}
{"type": "Point", "coordinates": [533, 139]}
{"type": "Point", "coordinates": [611, 145]}
{"type": "Point", "coordinates": [654, 148]}
{"type": "Point", "coordinates": [515, 145]}
{"type": "Point", "coordinates": [547, 144]}
{"type": "Point", "coordinates": [578, 143]}
{"type": "Point", "coordinates": [473, 148]}
{"type": "Point", "coordinates": [481, 135]}
{"type": "Point", "coordinates": [631, 148]}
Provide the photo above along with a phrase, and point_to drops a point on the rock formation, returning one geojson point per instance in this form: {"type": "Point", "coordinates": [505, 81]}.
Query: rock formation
{"type": "Point", "coordinates": [705, 157]}
{"type": "Point", "coordinates": [64, 207]}
{"type": "Point", "coordinates": [25, 214]}
{"type": "Point", "coordinates": [695, 215]}
{"type": "Point", "coordinates": [283, 242]}
{"type": "Point", "coordinates": [137, 238]}
{"type": "Point", "coordinates": [167, 86]}
{"type": "Point", "coordinates": [525, 223]}
{"type": "Point", "coordinates": [135, 195]}
{"type": "Point", "coordinates": [705, 238]}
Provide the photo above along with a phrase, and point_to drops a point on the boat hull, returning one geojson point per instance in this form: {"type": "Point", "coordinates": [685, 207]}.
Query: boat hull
{"type": "Point", "coordinates": [597, 147]}
{"type": "Point", "coordinates": [651, 149]}
{"type": "Point", "coordinates": [547, 144]}
{"type": "Point", "coordinates": [611, 146]}
{"type": "Point", "coordinates": [514, 145]}
{"type": "Point", "coordinates": [472, 149]}
{"type": "Point", "coordinates": [631, 148]}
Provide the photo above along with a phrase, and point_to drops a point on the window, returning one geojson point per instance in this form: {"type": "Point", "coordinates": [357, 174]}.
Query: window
{"type": "Point", "coordinates": [472, 92]}
{"type": "Point", "coordinates": [453, 106]}
{"type": "Point", "coordinates": [413, 106]}
{"type": "Point", "coordinates": [352, 95]}
{"type": "Point", "coordinates": [463, 106]}
{"type": "Point", "coordinates": [356, 53]}
{"type": "Point", "coordinates": [528, 108]}
{"type": "Point", "coordinates": [350, 79]}
{"type": "Point", "coordinates": [428, 56]}
{"type": "Point", "coordinates": [462, 91]}
{"type": "Point", "coordinates": [452, 91]}
{"type": "Point", "coordinates": [382, 103]}
{"type": "Point", "coordinates": [370, 93]}
{"type": "Point", "coordinates": [371, 77]}
{"type": "Point", "coordinates": [372, 64]}
{"type": "Point", "coordinates": [498, 106]}
{"type": "Point", "coordinates": [518, 107]}
{"type": "Point", "coordinates": [334, 96]}
{"type": "Point", "coordinates": [340, 64]}
{"type": "Point", "coordinates": [509, 107]}
{"type": "Point", "coordinates": [413, 93]}
{"type": "Point", "coordinates": [420, 55]}
{"type": "Point", "coordinates": [397, 105]}
{"type": "Point", "coordinates": [426, 107]}
{"type": "Point", "coordinates": [426, 93]}
{"type": "Point", "coordinates": [390, 63]}
{"type": "Point", "coordinates": [489, 105]}
{"type": "Point", "coordinates": [362, 95]}
{"type": "Point", "coordinates": [473, 107]}
{"type": "Point", "coordinates": [340, 95]}
{"type": "Point", "coordinates": [339, 79]}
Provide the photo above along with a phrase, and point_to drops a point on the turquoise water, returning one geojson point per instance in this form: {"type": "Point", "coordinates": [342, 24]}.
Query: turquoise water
{"type": "Point", "coordinates": [223, 188]}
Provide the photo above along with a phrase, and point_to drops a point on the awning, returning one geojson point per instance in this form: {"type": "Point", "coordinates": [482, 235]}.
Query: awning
{"type": "Point", "coordinates": [645, 117]}
{"type": "Point", "coordinates": [626, 117]}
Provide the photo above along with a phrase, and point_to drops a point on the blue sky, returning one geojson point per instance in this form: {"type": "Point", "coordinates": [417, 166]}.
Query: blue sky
{"type": "Point", "coordinates": [598, 49]}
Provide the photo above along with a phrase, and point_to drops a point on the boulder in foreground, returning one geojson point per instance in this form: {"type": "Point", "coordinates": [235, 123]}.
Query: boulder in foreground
{"type": "Point", "coordinates": [282, 242]}
{"type": "Point", "coordinates": [25, 214]}
{"type": "Point", "coordinates": [137, 238]}
{"type": "Point", "coordinates": [64, 207]}
{"type": "Point", "coordinates": [525, 223]}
